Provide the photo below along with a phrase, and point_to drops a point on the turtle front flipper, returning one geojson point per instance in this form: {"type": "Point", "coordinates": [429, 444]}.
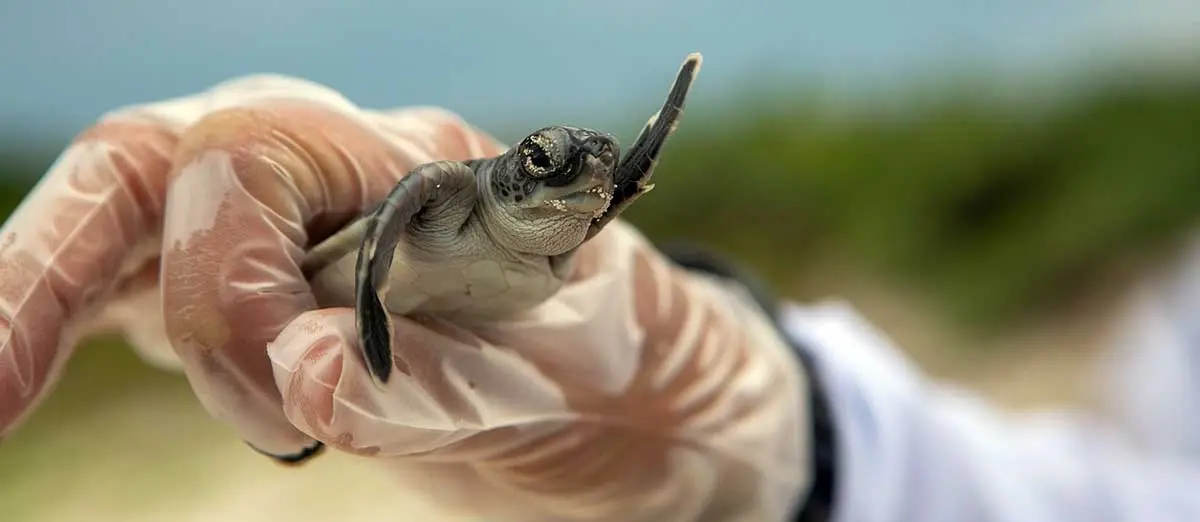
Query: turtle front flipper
{"type": "Point", "coordinates": [633, 173]}
{"type": "Point", "coordinates": [441, 195]}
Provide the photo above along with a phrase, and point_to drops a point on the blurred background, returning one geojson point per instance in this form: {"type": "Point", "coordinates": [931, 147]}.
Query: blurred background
{"type": "Point", "coordinates": [984, 180]}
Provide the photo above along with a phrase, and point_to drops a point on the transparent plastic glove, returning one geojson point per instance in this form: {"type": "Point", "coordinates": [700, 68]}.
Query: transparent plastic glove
{"type": "Point", "coordinates": [638, 392]}
{"type": "Point", "coordinates": [182, 223]}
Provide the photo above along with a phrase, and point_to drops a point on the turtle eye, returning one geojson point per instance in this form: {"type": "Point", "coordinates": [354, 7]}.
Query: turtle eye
{"type": "Point", "coordinates": [538, 156]}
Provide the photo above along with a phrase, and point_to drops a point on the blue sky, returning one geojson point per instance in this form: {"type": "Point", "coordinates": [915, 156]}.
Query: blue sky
{"type": "Point", "coordinates": [63, 62]}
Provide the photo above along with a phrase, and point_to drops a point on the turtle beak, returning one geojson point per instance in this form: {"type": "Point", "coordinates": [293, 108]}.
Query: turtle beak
{"type": "Point", "coordinates": [603, 150]}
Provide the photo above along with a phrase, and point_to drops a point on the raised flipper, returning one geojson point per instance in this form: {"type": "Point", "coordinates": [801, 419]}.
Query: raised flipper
{"type": "Point", "coordinates": [432, 186]}
{"type": "Point", "coordinates": [632, 175]}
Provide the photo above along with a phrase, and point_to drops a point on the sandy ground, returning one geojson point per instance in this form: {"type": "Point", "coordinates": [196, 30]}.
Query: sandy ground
{"type": "Point", "coordinates": [164, 459]}
{"type": "Point", "coordinates": [155, 456]}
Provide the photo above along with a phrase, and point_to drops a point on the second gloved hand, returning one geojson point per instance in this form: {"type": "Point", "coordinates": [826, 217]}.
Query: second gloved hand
{"type": "Point", "coordinates": [639, 392]}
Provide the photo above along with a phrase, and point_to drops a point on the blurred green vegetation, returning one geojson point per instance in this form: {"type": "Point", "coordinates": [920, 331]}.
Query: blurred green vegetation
{"type": "Point", "coordinates": [994, 208]}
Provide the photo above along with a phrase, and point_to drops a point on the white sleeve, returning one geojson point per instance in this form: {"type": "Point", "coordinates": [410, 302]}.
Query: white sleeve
{"type": "Point", "coordinates": [1153, 372]}
{"type": "Point", "coordinates": [909, 449]}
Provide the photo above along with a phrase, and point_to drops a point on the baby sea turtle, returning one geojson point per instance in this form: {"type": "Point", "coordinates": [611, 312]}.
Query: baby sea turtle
{"type": "Point", "coordinates": [485, 239]}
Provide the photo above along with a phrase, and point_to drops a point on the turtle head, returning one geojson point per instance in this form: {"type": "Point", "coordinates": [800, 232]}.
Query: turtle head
{"type": "Point", "coordinates": [561, 185]}
{"type": "Point", "coordinates": [546, 191]}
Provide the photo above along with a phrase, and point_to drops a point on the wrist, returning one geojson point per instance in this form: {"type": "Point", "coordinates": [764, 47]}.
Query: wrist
{"type": "Point", "coordinates": [816, 501]}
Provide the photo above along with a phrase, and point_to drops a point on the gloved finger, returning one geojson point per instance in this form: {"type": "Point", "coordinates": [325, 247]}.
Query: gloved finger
{"type": "Point", "coordinates": [134, 305]}
{"type": "Point", "coordinates": [450, 387]}
{"type": "Point", "coordinates": [252, 187]}
{"type": "Point", "coordinates": [80, 254]}
{"type": "Point", "coordinates": [85, 231]}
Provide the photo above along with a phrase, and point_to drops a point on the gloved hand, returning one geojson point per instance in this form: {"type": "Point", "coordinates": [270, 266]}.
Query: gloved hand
{"type": "Point", "coordinates": [638, 392]}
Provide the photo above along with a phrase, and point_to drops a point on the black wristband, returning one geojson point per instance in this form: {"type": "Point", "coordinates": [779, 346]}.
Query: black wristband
{"type": "Point", "coordinates": [818, 506]}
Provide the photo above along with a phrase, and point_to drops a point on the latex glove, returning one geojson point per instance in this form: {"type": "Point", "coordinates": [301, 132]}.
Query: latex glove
{"type": "Point", "coordinates": [638, 393]}
{"type": "Point", "coordinates": [181, 223]}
